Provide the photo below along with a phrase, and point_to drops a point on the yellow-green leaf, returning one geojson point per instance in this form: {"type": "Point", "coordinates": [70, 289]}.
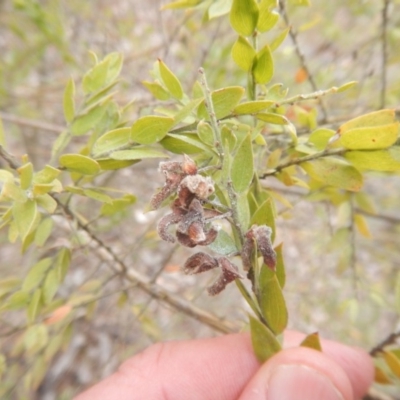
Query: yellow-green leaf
{"type": "Point", "coordinates": [376, 160]}
{"type": "Point", "coordinates": [278, 40]}
{"type": "Point", "coordinates": [170, 81]}
{"type": "Point", "coordinates": [85, 122]}
{"type": "Point", "coordinates": [47, 202]}
{"type": "Point", "coordinates": [280, 266]}
{"type": "Point", "coordinates": [271, 301]}
{"type": "Point", "coordinates": [50, 286]}
{"type": "Point", "coordinates": [263, 66]}
{"type": "Point", "coordinates": [35, 338]}
{"type": "Point", "coordinates": [242, 170]}
{"type": "Point", "coordinates": [181, 4]}
{"type": "Point", "coordinates": [362, 225]}
{"type": "Point", "coordinates": [80, 164]}
{"type": "Point", "coordinates": [156, 90]}
{"type": "Point", "coordinates": [112, 140]}
{"type": "Point", "coordinates": [117, 205]}
{"type": "Point", "coordinates": [273, 118]}
{"type": "Point", "coordinates": [36, 274]}
{"type": "Point", "coordinates": [320, 137]}
{"type": "Point", "coordinates": [224, 101]}
{"type": "Point", "coordinates": [69, 101]}
{"type": "Point", "coordinates": [334, 172]}
{"type": "Point", "coordinates": [108, 164]}
{"type": "Point", "coordinates": [96, 77]}
{"type": "Point", "coordinates": [312, 341]}
{"type": "Point", "coordinates": [43, 232]}
{"type": "Point", "coordinates": [12, 191]}
{"type": "Point", "coordinates": [252, 107]}
{"type": "Point", "coordinates": [137, 153]}
{"type": "Point", "coordinates": [26, 217]}
{"type": "Point", "coordinates": [150, 129]}
{"type": "Point", "coordinates": [46, 175]}
{"type": "Point", "coordinates": [243, 53]}
{"type": "Point", "coordinates": [264, 342]}
{"type": "Point", "coordinates": [185, 144]}
{"type": "Point", "coordinates": [205, 133]}
{"type": "Point", "coordinates": [97, 195]}
{"type": "Point", "coordinates": [62, 263]}
{"type": "Point", "coordinates": [25, 175]}
{"type": "Point", "coordinates": [34, 305]}
{"type": "Point", "coordinates": [2, 135]}
{"type": "Point", "coordinates": [393, 362]}
{"type": "Point", "coordinates": [377, 118]}
{"type": "Point", "coordinates": [268, 18]}
{"type": "Point", "coordinates": [244, 16]}
{"type": "Point", "coordinates": [265, 215]}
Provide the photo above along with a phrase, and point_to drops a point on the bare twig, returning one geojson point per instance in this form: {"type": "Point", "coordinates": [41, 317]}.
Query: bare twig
{"type": "Point", "coordinates": [133, 276]}
{"type": "Point", "coordinates": [298, 161]}
{"type": "Point", "coordinates": [300, 55]}
{"type": "Point", "coordinates": [391, 339]}
{"type": "Point", "coordinates": [32, 123]}
{"type": "Point", "coordinates": [385, 19]}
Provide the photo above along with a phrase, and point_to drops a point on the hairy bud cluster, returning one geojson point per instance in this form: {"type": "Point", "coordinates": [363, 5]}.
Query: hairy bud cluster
{"type": "Point", "coordinates": [201, 262]}
{"type": "Point", "coordinates": [187, 210]}
{"type": "Point", "coordinates": [260, 235]}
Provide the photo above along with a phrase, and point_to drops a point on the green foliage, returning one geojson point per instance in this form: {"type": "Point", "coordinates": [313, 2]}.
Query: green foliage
{"type": "Point", "coordinates": [244, 139]}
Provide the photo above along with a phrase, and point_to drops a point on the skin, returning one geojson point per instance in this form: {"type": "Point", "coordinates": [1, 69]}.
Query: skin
{"type": "Point", "coordinates": [225, 368]}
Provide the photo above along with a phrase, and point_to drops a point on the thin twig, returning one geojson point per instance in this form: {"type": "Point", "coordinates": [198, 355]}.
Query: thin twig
{"type": "Point", "coordinates": [298, 161]}
{"type": "Point", "coordinates": [32, 123]}
{"type": "Point", "coordinates": [300, 55]}
{"type": "Point", "coordinates": [385, 20]}
{"type": "Point", "coordinates": [133, 276]}
{"type": "Point", "coordinates": [391, 339]}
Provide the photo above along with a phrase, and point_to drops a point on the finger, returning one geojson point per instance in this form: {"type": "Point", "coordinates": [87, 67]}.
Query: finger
{"type": "Point", "coordinates": [297, 374]}
{"type": "Point", "coordinates": [217, 368]}
{"type": "Point", "coordinates": [356, 363]}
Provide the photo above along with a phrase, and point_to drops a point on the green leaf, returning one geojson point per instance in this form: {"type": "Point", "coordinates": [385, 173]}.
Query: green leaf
{"type": "Point", "coordinates": [80, 164]}
{"type": "Point", "coordinates": [186, 111]}
{"type": "Point", "coordinates": [244, 16]}
{"type": "Point", "coordinates": [117, 205]}
{"type": "Point", "coordinates": [312, 341]}
{"type": "Point", "coordinates": [320, 138]}
{"type": "Point", "coordinates": [35, 338]}
{"type": "Point", "coordinates": [108, 164]}
{"type": "Point", "coordinates": [62, 263]}
{"type": "Point", "coordinates": [96, 77]}
{"type": "Point", "coordinates": [263, 66]}
{"type": "Point", "coordinates": [271, 301]}
{"type": "Point", "coordinates": [223, 244]}
{"type": "Point", "coordinates": [150, 129]}
{"type": "Point", "coordinates": [369, 138]}
{"type": "Point", "coordinates": [224, 101]}
{"type": "Point", "coordinates": [278, 40]}
{"type": "Point", "coordinates": [185, 144]}
{"type": "Point", "coordinates": [34, 305]}
{"type": "Point", "coordinates": [268, 18]}
{"type": "Point", "coordinates": [97, 195]}
{"type": "Point", "coordinates": [36, 274]}
{"type": "Point", "coordinates": [252, 107]}
{"type": "Point", "coordinates": [46, 175]}
{"type": "Point", "coordinates": [346, 86]}
{"type": "Point", "coordinates": [26, 175]}
{"type": "Point", "coordinates": [181, 4]}
{"type": "Point", "coordinates": [229, 139]}
{"type": "Point", "coordinates": [69, 101]}
{"type": "Point", "coordinates": [11, 191]}
{"type": "Point", "coordinates": [50, 286]}
{"type": "Point", "coordinates": [265, 344]}
{"type": "Point", "coordinates": [280, 266]}
{"type": "Point", "coordinates": [85, 122]}
{"type": "Point", "coordinates": [115, 61]}
{"type": "Point", "coordinates": [111, 140]}
{"type": "Point", "coordinates": [43, 232]}
{"type": "Point", "coordinates": [156, 90]}
{"type": "Point", "coordinates": [377, 118]}
{"type": "Point", "coordinates": [137, 153]}
{"type": "Point", "coordinates": [242, 170]}
{"type": "Point", "coordinates": [47, 202]}
{"type": "Point", "coordinates": [243, 211]}
{"type": "Point", "coordinates": [170, 81]}
{"type": "Point", "coordinates": [205, 133]}
{"type": "Point", "coordinates": [273, 118]}
{"type": "Point", "coordinates": [16, 301]}
{"type": "Point", "coordinates": [265, 215]}
{"type": "Point", "coordinates": [378, 160]}
{"type": "Point", "coordinates": [243, 53]}
{"type": "Point", "coordinates": [335, 172]}
{"type": "Point", "coordinates": [26, 216]}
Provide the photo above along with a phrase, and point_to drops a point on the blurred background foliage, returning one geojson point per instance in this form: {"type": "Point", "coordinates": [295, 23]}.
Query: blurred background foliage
{"type": "Point", "coordinates": [342, 275]}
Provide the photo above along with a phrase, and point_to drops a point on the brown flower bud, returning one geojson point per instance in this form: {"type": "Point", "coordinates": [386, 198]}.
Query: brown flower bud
{"type": "Point", "coordinates": [229, 273]}
{"type": "Point", "coordinates": [263, 237]}
{"type": "Point", "coordinates": [202, 187]}
{"type": "Point", "coordinates": [247, 250]}
{"type": "Point", "coordinates": [189, 167]}
{"type": "Point", "coordinates": [163, 225]}
{"type": "Point", "coordinates": [199, 262]}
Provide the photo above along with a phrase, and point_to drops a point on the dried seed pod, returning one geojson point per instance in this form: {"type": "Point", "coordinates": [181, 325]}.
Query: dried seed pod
{"type": "Point", "coordinates": [163, 225]}
{"type": "Point", "coordinates": [189, 167]}
{"type": "Point", "coordinates": [229, 273]}
{"type": "Point", "coordinates": [210, 236]}
{"type": "Point", "coordinates": [247, 250]}
{"type": "Point", "coordinates": [199, 262]}
{"type": "Point", "coordinates": [262, 235]}
{"type": "Point", "coordinates": [202, 187]}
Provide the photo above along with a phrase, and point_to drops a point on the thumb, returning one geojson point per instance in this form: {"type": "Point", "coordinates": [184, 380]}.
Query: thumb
{"type": "Point", "coordinates": [297, 374]}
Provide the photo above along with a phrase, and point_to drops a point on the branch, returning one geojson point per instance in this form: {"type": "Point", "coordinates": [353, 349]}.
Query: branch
{"type": "Point", "coordinates": [384, 51]}
{"type": "Point", "coordinates": [298, 161]}
{"type": "Point", "coordinates": [142, 281]}
{"type": "Point", "coordinates": [300, 55]}
{"type": "Point", "coordinates": [31, 123]}
{"type": "Point", "coordinates": [391, 339]}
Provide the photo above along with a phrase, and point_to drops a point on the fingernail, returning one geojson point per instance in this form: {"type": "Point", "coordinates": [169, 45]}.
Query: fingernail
{"type": "Point", "coordinates": [299, 382]}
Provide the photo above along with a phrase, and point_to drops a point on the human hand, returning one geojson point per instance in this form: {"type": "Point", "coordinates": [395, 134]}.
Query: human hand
{"type": "Point", "coordinates": [225, 368]}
